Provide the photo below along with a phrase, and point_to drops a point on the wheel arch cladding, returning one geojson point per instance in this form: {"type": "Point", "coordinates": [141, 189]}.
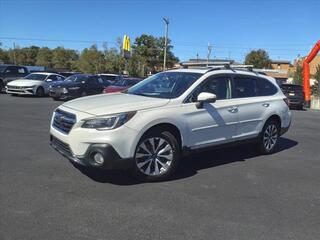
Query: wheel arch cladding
{"type": "Point", "coordinates": [174, 130]}
{"type": "Point", "coordinates": [274, 117]}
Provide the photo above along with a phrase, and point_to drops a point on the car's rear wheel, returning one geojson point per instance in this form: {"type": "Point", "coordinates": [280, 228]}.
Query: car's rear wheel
{"type": "Point", "coordinates": [157, 156]}
{"type": "Point", "coordinates": [40, 92]}
{"type": "Point", "coordinates": [269, 137]}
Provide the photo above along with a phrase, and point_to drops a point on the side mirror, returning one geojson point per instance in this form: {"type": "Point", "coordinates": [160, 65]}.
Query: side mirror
{"type": "Point", "coordinates": [49, 80]}
{"type": "Point", "coordinates": [205, 97]}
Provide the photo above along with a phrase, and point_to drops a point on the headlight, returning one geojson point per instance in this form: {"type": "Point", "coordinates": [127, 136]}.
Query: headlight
{"type": "Point", "coordinates": [64, 90]}
{"type": "Point", "coordinates": [74, 88]}
{"type": "Point", "coordinates": [108, 122]}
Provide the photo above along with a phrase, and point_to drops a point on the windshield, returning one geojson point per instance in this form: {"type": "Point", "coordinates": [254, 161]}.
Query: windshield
{"type": "Point", "coordinates": [77, 78]}
{"type": "Point", "coordinates": [36, 76]}
{"type": "Point", "coordinates": [293, 88]}
{"type": "Point", "coordinates": [165, 85]}
{"type": "Point", "coordinates": [126, 82]}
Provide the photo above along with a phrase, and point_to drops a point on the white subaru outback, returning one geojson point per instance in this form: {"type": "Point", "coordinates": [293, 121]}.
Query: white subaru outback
{"type": "Point", "coordinates": [148, 128]}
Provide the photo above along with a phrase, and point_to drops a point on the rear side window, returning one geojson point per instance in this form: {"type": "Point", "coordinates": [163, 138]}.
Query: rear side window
{"type": "Point", "coordinates": [266, 88]}
{"type": "Point", "coordinates": [21, 70]}
{"type": "Point", "coordinates": [93, 80]}
{"type": "Point", "coordinates": [245, 87]}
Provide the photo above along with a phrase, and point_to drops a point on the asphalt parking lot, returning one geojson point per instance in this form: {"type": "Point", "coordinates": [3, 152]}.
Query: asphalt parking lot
{"type": "Point", "coordinates": [223, 194]}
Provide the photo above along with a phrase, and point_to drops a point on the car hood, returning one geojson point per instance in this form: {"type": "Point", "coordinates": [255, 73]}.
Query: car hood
{"type": "Point", "coordinates": [105, 104]}
{"type": "Point", "coordinates": [24, 83]}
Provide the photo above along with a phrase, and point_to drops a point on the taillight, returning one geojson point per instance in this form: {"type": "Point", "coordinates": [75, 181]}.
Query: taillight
{"type": "Point", "coordinates": [286, 100]}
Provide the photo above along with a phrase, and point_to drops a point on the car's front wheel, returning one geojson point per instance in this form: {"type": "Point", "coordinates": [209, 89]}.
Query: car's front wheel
{"type": "Point", "coordinates": [157, 156]}
{"type": "Point", "coordinates": [40, 92]}
{"type": "Point", "coordinates": [269, 137]}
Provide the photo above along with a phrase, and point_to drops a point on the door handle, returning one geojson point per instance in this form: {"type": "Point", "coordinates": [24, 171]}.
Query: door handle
{"type": "Point", "coordinates": [266, 104]}
{"type": "Point", "coordinates": [233, 109]}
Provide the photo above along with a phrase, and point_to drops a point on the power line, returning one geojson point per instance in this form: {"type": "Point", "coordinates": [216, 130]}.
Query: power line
{"type": "Point", "coordinates": [56, 40]}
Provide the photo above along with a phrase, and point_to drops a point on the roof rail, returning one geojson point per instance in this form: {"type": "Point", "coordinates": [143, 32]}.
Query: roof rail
{"type": "Point", "coordinates": [248, 68]}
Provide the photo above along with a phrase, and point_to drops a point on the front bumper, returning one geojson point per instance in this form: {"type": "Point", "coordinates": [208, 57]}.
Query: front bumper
{"type": "Point", "coordinates": [112, 159]}
{"type": "Point", "coordinates": [59, 95]}
{"type": "Point", "coordinates": [20, 91]}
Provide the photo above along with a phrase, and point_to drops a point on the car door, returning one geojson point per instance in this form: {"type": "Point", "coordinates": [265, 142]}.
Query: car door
{"type": "Point", "coordinates": [50, 80]}
{"type": "Point", "coordinates": [214, 123]}
{"type": "Point", "coordinates": [251, 106]}
{"type": "Point", "coordinates": [91, 85]}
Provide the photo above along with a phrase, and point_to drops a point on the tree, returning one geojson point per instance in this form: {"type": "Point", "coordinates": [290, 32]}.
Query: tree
{"type": "Point", "coordinates": [114, 62]}
{"type": "Point", "coordinates": [297, 75]}
{"type": "Point", "coordinates": [4, 56]}
{"type": "Point", "coordinates": [30, 54]}
{"type": "Point", "coordinates": [258, 58]}
{"type": "Point", "coordinates": [64, 58]}
{"type": "Point", "coordinates": [151, 50]}
{"type": "Point", "coordinates": [91, 60]}
{"type": "Point", "coordinates": [317, 83]}
{"type": "Point", "coordinates": [44, 57]}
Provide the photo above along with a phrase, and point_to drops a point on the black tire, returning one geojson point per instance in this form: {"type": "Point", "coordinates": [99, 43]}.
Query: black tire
{"type": "Point", "coordinates": [40, 92]}
{"type": "Point", "coordinates": [83, 94]}
{"type": "Point", "coordinates": [1, 86]}
{"type": "Point", "coordinates": [157, 161]}
{"type": "Point", "coordinates": [269, 137]}
{"type": "Point", "coordinates": [56, 99]}
{"type": "Point", "coordinates": [301, 107]}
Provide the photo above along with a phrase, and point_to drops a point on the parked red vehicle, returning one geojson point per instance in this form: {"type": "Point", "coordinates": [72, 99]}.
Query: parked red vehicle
{"type": "Point", "coordinates": [122, 85]}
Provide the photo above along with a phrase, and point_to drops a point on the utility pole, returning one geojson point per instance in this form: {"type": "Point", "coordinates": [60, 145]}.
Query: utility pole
{"type": "Point", "coordinates": [209, 53]}
{"type": "Point", "coordinates": [166, 21]}
{"type": "Point", "coordinates": [14, 53]}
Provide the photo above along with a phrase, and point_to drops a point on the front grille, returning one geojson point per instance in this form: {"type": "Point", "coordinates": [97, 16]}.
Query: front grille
{"type": "Point", "coordinates": [61, 146]}
{"type": "Point", "coordinates": [14, 87]}
{"type": "Point", "coordinates": [63, 121]}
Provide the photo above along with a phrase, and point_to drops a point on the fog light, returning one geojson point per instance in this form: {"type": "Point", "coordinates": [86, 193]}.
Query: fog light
{"type": "Point", "coordinates": [98, 158]}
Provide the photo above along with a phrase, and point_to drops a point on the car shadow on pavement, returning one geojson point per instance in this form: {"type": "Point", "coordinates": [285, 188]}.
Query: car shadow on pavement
{"type": "Point", "coordinates": [190, 165]}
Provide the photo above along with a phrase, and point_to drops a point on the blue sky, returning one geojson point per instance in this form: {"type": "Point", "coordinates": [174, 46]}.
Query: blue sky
{"type": "Point", "coordinates": [284, 28]}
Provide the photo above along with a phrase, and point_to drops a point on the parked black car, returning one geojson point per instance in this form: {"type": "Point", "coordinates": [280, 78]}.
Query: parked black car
{"type": "Point", "coordinates": [10, 72]}
{"type": "Point", "coordinates": [295, 95]}
{"type": "Point", "coordinates": [78, 85]}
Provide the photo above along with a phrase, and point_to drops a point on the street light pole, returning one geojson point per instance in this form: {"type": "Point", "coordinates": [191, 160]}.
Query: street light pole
{"type": "Point", "coordinates": [166, 21]}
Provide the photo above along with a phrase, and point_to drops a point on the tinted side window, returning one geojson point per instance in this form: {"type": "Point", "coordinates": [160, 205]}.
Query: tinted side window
{"type": "Point", "coordinates": [93, 80]}
{"type": "Point", "coordinates": [266, 88]}
{"type": "Point", "coordinates": [52, 77]}
{"type": "Point", "coordinates": [59, 78]}
{"type": "Point", "coordinates": [245, 87]}
{"type": "Point", "coordinates": [21, 70]}
{"type": "Point", "coordinates": [218, 85]}
{"type": "Point", "coordinates": [12, 70]}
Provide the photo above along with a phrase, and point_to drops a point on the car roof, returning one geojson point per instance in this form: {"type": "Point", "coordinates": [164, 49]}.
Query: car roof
{"type": "Point", "coordinates": [45, 73]}
{"type": "Point", "coordinates": [84, 75]}
{"type": "Point", "coordinates": [221, 70]}
{"type": "Point", "coordinates": [108, 74]}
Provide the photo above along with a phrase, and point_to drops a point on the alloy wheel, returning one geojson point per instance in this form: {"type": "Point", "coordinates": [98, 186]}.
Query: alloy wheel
{"type": "Point", "coordinates": [154, 156]}
{"type": "Point", "coordinates": [270, 137]}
